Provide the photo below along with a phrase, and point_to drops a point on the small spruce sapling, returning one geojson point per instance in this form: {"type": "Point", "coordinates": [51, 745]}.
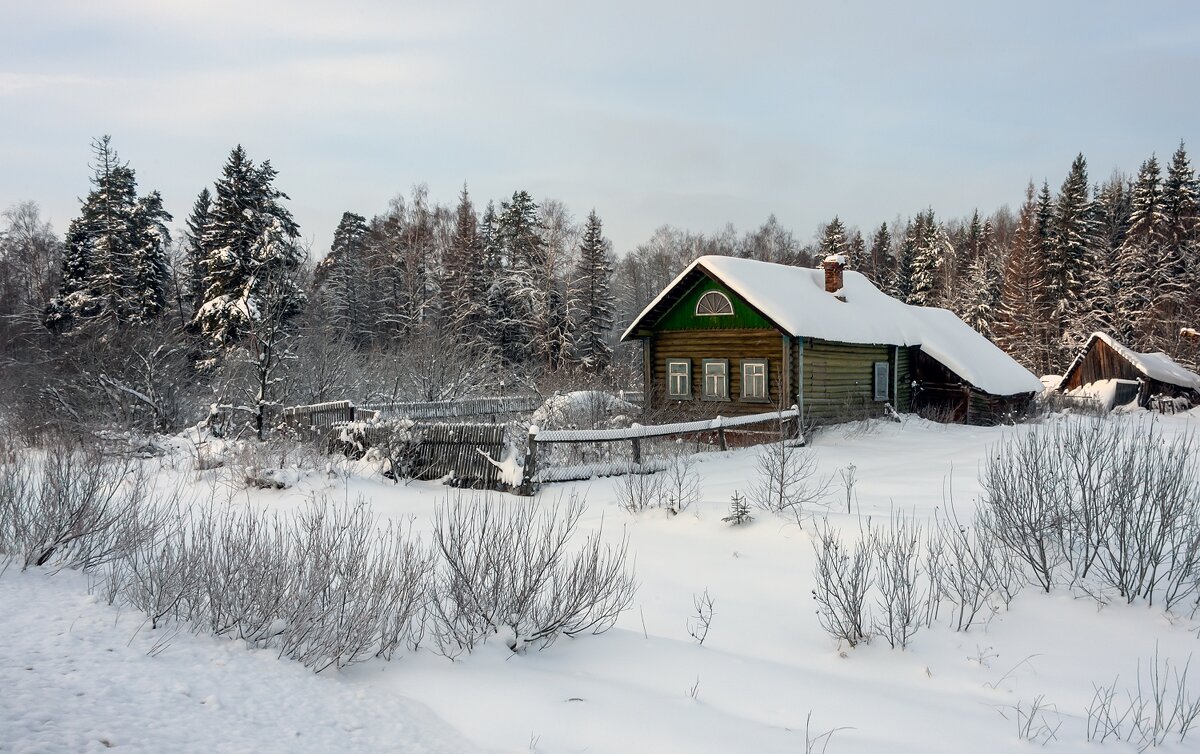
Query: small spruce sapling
{"type": "Point", "coordinates": [739, 512]}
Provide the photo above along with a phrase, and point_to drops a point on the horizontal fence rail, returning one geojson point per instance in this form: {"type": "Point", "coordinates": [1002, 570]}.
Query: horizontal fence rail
{"type": "Point", "coordinates": [608, 452]}
{"type": "Point", "coordinates": [466, 407]}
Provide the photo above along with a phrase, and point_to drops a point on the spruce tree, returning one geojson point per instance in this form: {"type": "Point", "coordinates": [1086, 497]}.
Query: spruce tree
{"type": "Point", "coordinates": [833, 239]}
{"type": "Point", "coordinates": [1072, 259]}
{"type": "Point", "coordinates": [149, 270]}
{"type": "Point", "coordinates": [114, 264]}
{"type": "Point", "coordinates": [1181, 247]}
{"type": "Point", "coordinates": [196, 223]}
{"type": "Point", "coordinates": [1140, 256]}
{"type": "Point", "coordinates": [1020, 319]}
{"type": "Point", "coordinates": [531, 308]}
{"type": "Point", "coordinates": [593, 288]}
{"type": "Point", "coordinates": [1111, 210]}
{"type": "Point", "coordinates": [250, 242]}
{"type": "Point", "coordinates": [902, 282]}
{"type": "Point", "coordinates": [928, 252]}
{"type": "Point", "coordinates": [340, 278]}
{"type": "Point", "coordinates": [881, 260]}
{"type": "Point", "coordinates": [464, 291]}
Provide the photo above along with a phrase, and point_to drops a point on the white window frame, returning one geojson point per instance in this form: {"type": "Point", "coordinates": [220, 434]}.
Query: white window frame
{"type": "Point", "coordinates": [762, 378]}
{"type": "Point", "coordinates": [882, 380]}
{"type": "Point", "coordinates": [719, 378]}
{"type": "Point", "coordinates": [715, 294]}
{"type": "Point", "coordinates": [686, 393]}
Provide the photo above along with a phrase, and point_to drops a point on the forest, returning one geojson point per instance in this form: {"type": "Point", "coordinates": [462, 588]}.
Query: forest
{"type": "Point", "coordinates": [120, 322]}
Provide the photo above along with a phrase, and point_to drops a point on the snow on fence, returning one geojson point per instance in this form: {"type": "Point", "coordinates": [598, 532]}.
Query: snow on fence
{"type": "Point", "coordinates": [318, 417]}
{"type": "Point", "coordinates": [455, 409]}
{"type": "Point", "coordinates": [606, 457]}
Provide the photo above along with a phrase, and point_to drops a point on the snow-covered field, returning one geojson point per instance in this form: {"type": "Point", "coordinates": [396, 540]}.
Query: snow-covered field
{"type": "Point", "coordinates": [77, 675]}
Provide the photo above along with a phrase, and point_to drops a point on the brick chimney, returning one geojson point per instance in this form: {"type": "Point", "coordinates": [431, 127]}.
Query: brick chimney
{"type": "Point", "coordinates": [835, 265]}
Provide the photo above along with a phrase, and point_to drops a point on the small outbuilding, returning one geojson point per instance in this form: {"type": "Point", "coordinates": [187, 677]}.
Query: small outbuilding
{"type": "Point", "coordinates": [1116, 375]}
{"type": "Point", "coordinates": [737, 336]}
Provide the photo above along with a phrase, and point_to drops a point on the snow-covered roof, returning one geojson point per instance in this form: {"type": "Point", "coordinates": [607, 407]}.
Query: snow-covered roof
{"type": "Point", "coordinates": [794, 298]}
{"type": "Point", "coordinates": [1157, 366]}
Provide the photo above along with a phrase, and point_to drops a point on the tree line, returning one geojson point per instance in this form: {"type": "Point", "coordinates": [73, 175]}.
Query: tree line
{"type": "Point", "coordinates": [429, 301]}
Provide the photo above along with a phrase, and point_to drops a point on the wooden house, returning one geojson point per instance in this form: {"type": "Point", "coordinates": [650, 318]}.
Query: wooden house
{"type": "Point", "coordinates": [734, 336]}
{"type": "Point", "coordinates": [1115, 375]}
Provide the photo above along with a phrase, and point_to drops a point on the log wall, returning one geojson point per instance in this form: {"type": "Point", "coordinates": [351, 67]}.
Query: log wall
{"type": "Point", "coordinates": [733, 345]}
{"type": "Point", "coordinates": [839, 380]}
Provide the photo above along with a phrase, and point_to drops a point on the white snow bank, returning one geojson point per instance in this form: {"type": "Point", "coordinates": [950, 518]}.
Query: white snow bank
{"type": "Point", "coordinates": [73, 679]}
{"type": "Point", "coordinates": [586, 409]}
{"type": "Point", "coordinates": [795, 299]}
{"type": "Point", "coordinates": [1103, 392]}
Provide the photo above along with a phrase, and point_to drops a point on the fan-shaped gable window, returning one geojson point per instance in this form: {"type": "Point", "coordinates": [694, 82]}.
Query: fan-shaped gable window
{"type": "Point", "coordinates": [714, 304]}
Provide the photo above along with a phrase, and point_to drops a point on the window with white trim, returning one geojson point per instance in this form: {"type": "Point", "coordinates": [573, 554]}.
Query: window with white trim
{"type": "Point", "coordinates": [679, 378]}
{"type": "Point", "coordinates": [881, 380]}
{"type": "Point", "coordinates": [716, 379]}
{"type": "Point", "coordinates": [754, 380]}
{"type": "Point", "coordinates": [714, 304]}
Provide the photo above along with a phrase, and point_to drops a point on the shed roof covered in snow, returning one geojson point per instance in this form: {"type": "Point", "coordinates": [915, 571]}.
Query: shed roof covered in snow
{"type": "Point", "coordinates": [1155, 366]}
{"type": "Point", "coordinates": [795, 299]}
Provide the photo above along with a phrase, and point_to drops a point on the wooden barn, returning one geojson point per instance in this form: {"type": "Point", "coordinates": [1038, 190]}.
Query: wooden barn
{"type": "Point", "coordinates": [735, 336]}
{"type": "Point", "coordinates": [1115, 375]}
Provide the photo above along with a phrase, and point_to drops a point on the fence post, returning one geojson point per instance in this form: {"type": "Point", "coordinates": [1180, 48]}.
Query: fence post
{"type": "Point", "coordinates": [721, 443]}
{"type": "Point", "coordinates": [637, 450]}
{"type": "Point", "coordinates": [529, 470]}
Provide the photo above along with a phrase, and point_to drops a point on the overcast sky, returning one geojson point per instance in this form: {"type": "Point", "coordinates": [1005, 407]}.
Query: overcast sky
{"type": "Point", "coordinates": [691, 113]}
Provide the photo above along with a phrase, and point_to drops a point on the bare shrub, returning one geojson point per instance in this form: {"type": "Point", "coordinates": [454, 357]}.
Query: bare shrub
{"type": "Point", "coordinates": [843, 578]}
{"type": "Point", "coordinates": [1159, 706]}
{"type": "Point", "coordinates": [636, 492]}
{"type": "Point", "coordinates": [159, 578]}
{"type": "Point", "coordinates": [898, 580]}
{"type": "Point", "coordinates": [1037, 722]}
{"type": "Point", "coordinates": [680, 483]}
{"type": "Point", "coordinates": [1112, 506]}
{"type": "Point", "coordinates": [506, 568]}
{"type": "Point", "coordinates": [701, 621]}
{"type": "Point", "coordinates": [357, 589]}
{"type": "Point", "coordinates": [245, 579]}
{"type": "Point", "coordinates": [787, 480]}
{"type": "Point", "coordinates": [73, 508]}
{"type": "Point", "coordinates": [969, 573]}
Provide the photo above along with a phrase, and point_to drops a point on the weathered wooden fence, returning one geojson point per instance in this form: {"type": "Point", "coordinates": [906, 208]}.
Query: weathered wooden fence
{"type": "Point", "coordinates": [458, 453]}
{"type": "Point", "coordinates": [457, 409]}
{"type": "Point", "coordinates": [718, 431]}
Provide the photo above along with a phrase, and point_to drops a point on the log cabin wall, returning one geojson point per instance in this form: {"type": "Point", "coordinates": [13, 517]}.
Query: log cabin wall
{"type": "Point", "coordinates": [731, 345]}
{"type": "Point", "coordinates": [839, 379]}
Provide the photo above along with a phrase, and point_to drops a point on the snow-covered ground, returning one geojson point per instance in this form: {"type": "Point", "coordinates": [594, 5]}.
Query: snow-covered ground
{"type": "Point", "coordinates": [76, 675]}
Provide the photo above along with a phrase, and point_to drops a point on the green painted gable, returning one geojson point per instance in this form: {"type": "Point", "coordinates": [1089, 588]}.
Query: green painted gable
{"type": "Point", "coordinates": [682, 316]}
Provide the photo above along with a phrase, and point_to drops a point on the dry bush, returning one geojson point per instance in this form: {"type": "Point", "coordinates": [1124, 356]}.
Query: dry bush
{"type": "Point", "coordinates": [843, 579]}
{"type": "Point", "coordinates": [636, 492]}
{"type": "Point", "coordinates": [898, 580]}
{"type": "Point", "coordinates": [70, 507]}
{"type": "Point", "coordinates": [1110, 507]}
{"type": "Point", "coordinates": [508, 569]}
{"type": "Point", "coordinates": [788, 481]}
{"type": "Point", "coordinates": [680, 483]}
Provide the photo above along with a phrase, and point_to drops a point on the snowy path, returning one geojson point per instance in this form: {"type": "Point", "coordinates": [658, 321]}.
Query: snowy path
{"type": "Point", "coordinates": [72, 680]}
